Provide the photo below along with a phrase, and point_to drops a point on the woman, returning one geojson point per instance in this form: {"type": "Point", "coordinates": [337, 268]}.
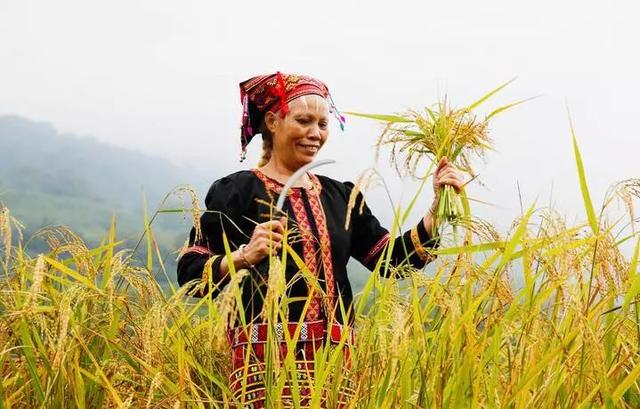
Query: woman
{"type": "Point", "coordinates": [292, 114]}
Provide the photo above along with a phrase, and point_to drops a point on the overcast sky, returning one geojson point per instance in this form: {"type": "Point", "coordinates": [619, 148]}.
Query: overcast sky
{"type": "Point", "coordinates": [162, 77]}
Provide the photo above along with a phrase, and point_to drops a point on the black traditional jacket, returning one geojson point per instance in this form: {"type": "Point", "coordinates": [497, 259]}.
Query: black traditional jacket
{"type": "Point", "coordinates": [318, 218]}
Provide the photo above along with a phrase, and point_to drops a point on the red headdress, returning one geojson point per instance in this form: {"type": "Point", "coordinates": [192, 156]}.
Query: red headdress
{"type": "Point", "coordinates": [272, 93]}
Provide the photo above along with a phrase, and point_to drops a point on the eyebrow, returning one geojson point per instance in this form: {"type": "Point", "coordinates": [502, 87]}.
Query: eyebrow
{"type": "Point", "coordinates": [305, 114]}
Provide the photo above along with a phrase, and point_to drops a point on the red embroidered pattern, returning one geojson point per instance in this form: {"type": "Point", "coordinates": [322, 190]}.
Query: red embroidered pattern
{"type": "Point", "coordinates": [376, 248]}
{"type": "Point", "coordinates": [308, 240]}
{"type": "Point", "coordinates": [248, 345]}
{"type": "Point", "coordinates": [198, 250]}
{"type": "Point", "coordinates": [260, 89]}
{"type": "Point", "coordinates": [247, 379]}
{"type": "Point", "coordinates": [325, 243]}
{"type": "Point", "coordinates": [308, 246]}
{"type": "Point", "coordinates": [276, 186]}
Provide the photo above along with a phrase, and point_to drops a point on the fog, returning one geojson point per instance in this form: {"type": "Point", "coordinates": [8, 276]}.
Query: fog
{"type": "Point", "coordinates": [162, 77]}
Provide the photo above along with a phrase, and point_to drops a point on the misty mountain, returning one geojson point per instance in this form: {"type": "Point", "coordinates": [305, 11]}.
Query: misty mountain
{"type": "Point", "coordinates": [49, 178]}
{"type": "Point", "coordinates": [52, 178]}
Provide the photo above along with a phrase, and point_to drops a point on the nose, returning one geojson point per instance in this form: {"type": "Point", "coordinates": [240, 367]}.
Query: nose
{"type": "Point", "coordinates": [314, 133]}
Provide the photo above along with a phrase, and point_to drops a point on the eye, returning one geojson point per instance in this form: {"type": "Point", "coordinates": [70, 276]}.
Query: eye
{"type": "Point", "coordinates": [323, 125]}
{"type": "Point", "coordinates": [302, 120]}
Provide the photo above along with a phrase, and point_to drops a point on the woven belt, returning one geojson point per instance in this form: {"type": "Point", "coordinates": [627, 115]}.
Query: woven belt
{"type": "Point", "coordinates": [308, 330]}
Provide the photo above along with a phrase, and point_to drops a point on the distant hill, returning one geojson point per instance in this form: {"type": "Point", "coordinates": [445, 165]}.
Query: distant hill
{"type": "Point", "coordinates": [51, 178]}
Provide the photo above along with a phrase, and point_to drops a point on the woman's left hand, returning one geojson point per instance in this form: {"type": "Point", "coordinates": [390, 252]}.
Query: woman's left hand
{"type": "Point", "coordinates": [447, 174]}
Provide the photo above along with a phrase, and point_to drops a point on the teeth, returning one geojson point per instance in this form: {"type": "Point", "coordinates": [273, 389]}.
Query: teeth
{"type": "Point", "coordinates": [314, 147]}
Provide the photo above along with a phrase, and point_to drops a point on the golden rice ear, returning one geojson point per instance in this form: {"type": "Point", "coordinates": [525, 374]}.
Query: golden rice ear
{"type": "Point", "coordinates": [7, 224]}
{"type": "Point", "coordinates": [5, 233]}
{"type": "Point", "coordinates": [276, 286]}
{"type": "Point", "coordinates": [69, 298]}
{"type": "Point", "coordinates": [187, 191]}
{"type": "Point", "coordinates": [626, 191]}
{"type": "Point", "coordinates": [421, 138]}
{"type": "Point", "coordinates": [365, 181]}
{"type": "Point", "coordinates": [37, 280]}
{"type": "Point", "coordinates": [61, 240]}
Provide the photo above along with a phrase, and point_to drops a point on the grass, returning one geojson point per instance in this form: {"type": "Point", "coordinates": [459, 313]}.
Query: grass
{"type": "Point", "coordinates": [90, 327]}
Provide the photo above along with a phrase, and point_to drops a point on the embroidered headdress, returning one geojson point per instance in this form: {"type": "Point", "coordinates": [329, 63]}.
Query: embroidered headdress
{"type": "Point", "coordinates": [272, 93]}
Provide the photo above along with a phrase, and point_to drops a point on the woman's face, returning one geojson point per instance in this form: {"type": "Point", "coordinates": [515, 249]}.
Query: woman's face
{"type": "Point", "coordinates": [298, 136]}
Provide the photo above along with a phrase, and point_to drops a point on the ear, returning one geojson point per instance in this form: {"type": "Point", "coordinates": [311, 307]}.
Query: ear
{"type": "Point", "coordinates": [270, 121]}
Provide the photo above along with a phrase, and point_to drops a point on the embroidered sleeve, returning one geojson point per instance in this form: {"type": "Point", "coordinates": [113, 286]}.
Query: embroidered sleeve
{"type": "Point", "coordinates": [376, 249]}
{"type": "Point", "coordinates": [199, 262]}
{"type": "Point", "coordinates": [421, 242]}
{"type": "Point", "coordinates": [369, 239]}
{"type": "Point", "coordinates": [198, 250]}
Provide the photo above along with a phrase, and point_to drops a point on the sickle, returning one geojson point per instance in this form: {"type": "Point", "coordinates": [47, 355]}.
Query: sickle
{"type": "Point", "coordinates": [297, 175]}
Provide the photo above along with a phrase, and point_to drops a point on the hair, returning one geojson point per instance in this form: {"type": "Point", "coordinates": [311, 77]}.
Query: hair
{"type": "Point", "coordinates": [267, 145]}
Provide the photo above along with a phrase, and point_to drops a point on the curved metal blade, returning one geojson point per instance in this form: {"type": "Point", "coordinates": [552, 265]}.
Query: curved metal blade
{"type": "Point", "coordinates": [297, 175]}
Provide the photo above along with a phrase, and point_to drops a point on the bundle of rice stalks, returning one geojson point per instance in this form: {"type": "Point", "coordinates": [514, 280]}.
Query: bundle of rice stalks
{"type": "Point", "coordinates": [436, 132]}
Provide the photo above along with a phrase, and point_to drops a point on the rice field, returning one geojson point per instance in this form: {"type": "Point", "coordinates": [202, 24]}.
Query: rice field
{"type": "Point", "coordinates": [544, 315]}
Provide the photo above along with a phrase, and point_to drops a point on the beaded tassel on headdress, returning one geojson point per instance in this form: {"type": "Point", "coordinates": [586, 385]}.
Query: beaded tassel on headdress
{"type": "Point", "coordinates": [341, 119]}
{"type": "Point", "coordinates": [246, 130]}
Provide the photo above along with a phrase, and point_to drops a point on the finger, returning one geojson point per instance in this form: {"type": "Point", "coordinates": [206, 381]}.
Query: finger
{"type": "Point", "coordinates": [450, 173]}
{"type": "Point", "coordinates": [453, 182]}
{"type": "Point", "coordinates": [271, 236]}
{"type": "Point", "coordinates": [273, 225]}
{"type": "Point", "coordinates": [273, 245]}
{"type": "Point", "coordinates": [451, 168]}
{"type": "Point", "coordinates": [448, 168]}
{"type": "Point", "coordinates": [441, 164]}
{"type": "Point", "coordinates": [263, 245]}
{"type": "Point", "coordinates": [275, 237]}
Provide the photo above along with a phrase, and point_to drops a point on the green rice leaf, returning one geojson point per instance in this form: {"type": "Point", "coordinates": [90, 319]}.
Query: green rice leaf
{"type": "Point", "coordinates": [108, 260]}
{"type": "Point", "coordinates": [588, 205]}
{"type": "Point", "coordinates": [474, 248]}
{"type": "Point", "coordinates": [32, 367]}
{"type": "Point", "coordinates": [488, 95]}
{"type": "Point", "coordinates": [66, 270]}
{"type": "Point", "coordinates": [381, 117]}
{"type": "Point", "coordinates": [634, 278]}
{"type": "Point", "coordinates": [409, 132]}
{"type": "Point", "coordinates": [104, 380]}
{"type": "Point", "coordinates": [626, 383]}
{"type": "Point", "coordinates": [509, 249]}
{"type": "Point", "coordinates": [507, 107]}
{"type": "Point", "coordinates": [147, 231]}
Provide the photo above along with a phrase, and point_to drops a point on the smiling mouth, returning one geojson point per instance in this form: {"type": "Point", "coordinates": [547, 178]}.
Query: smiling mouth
{"type": "Point", "coordinates": [309, 147]}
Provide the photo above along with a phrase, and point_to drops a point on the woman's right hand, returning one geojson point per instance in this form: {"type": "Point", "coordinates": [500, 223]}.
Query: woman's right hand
{"type": "Point", "coordinates": [266, 236]}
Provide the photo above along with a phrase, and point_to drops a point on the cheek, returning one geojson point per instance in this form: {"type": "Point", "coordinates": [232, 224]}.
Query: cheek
{"type": "Point", "coordinates": [287, 134]}
{"type": "Point", "coordinates": [291, 130]}
{"type": "Point", "coordinates": [324, 136]}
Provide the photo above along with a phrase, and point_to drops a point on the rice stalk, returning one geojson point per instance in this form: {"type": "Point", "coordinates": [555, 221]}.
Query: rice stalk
{"type": "Point", "coordinates": [433, 133]}
{"type": "Point", "coordinates": [507, 319]}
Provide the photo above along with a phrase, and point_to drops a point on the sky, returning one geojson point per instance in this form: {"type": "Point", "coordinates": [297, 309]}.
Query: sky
{"type": "Point", "coordinates": [162, 77]}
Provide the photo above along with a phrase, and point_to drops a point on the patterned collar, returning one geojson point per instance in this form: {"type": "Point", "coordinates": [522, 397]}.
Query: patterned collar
{"type": "Point", "coordinates": [276, 187]}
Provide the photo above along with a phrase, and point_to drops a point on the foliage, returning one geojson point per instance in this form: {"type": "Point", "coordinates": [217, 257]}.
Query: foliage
{"type": "Point", "coordinates": [90, 327]}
